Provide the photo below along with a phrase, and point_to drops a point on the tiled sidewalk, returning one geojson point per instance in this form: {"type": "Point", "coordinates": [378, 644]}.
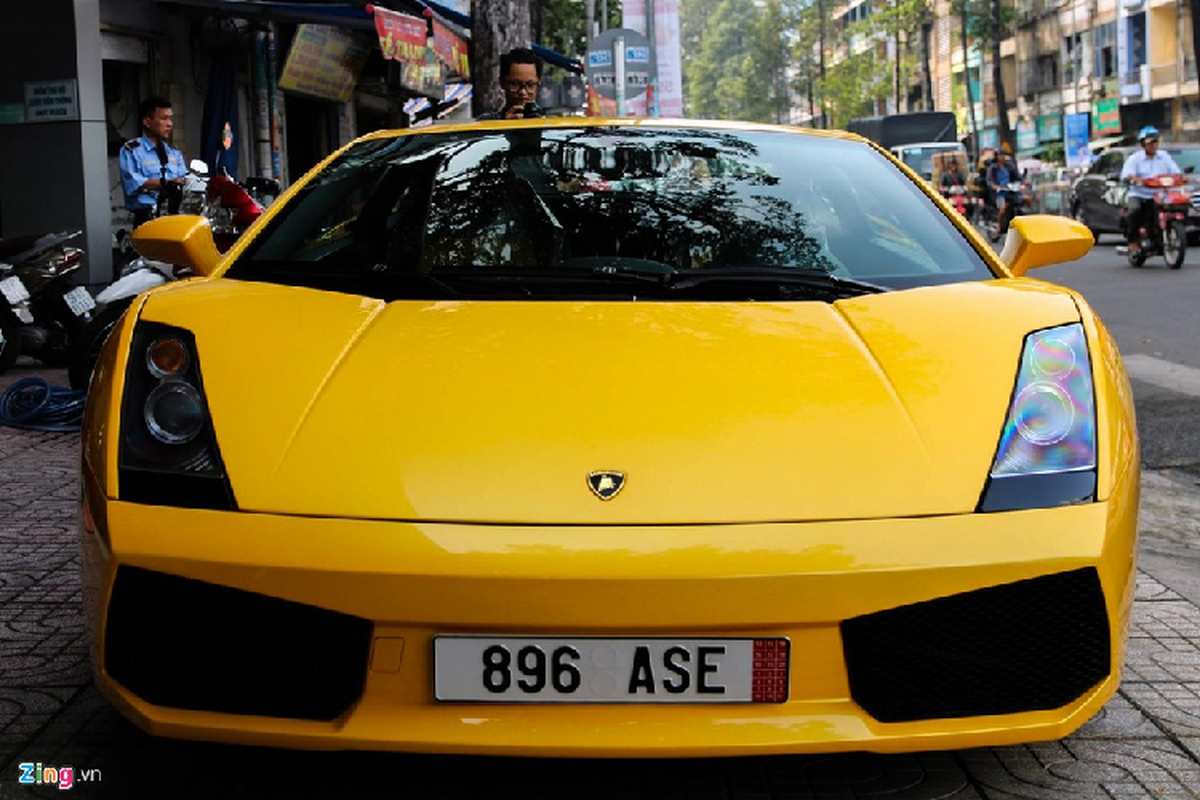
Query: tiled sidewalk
{"type": "Point", "coordinates": [1145, 744]}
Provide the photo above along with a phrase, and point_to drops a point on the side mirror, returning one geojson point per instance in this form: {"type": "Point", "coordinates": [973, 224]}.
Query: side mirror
{"type": "Point", "coordinates": [1040, 239]}
{"type": "Point", "coordinates": [181, 239]}
{"type": "Point", "coordinates": [198, 166]}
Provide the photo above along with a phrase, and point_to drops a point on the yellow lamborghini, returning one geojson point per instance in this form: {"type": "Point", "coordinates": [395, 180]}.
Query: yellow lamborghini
{"type": "Point", "coordinates": [610, 438]}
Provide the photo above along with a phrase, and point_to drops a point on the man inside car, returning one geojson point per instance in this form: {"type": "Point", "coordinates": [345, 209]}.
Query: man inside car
{"type": "Point", "coordinates": [1141, 165]}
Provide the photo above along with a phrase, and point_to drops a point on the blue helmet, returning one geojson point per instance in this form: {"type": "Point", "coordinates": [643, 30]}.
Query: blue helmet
{"type": "Point", "coordinates": [1147, 132]}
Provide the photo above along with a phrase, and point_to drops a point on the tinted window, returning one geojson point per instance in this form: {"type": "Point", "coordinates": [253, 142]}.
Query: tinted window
{"type": "Point", "coordinates": [410, 215]}
{"type": "Point", "coordinates": [1188, 158]}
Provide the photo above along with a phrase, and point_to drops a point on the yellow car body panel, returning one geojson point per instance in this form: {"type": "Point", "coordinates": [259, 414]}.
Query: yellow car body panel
{"type": "Point", "coordinates": [705, 406]}
{"type": "Point", "coordinates": [418, 580]}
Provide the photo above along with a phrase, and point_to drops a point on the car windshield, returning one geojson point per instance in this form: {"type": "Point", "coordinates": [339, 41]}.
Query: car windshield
{"type": "Point", "coordinates": [921, 158]}
{"type": "Point", "coordinates": [614, 211]}
{"type": "Point", "coordinates": [1188, 158]}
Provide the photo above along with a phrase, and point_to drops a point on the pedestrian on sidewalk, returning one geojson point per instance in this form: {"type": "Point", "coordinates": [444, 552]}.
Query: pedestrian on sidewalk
{"type": "Point", "coordinates": [520, 78]}
{"type": "Point", "coordinates": [147, 159]}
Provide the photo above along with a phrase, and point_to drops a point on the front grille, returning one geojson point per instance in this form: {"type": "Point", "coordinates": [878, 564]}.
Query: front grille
{"type": "Point", "coordinates": [1034, 644]}
{"type": "Point", "coordinates": [1196, 201]}
{"type": "Point", "coordinates": [188, 644]}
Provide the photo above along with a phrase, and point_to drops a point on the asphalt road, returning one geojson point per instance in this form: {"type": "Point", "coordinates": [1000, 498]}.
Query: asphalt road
{"type": "Point", "coordinates": [1152, 314]}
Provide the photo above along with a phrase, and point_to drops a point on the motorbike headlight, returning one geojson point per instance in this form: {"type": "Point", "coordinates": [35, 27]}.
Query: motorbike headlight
{"type": "Point", "coordinates": [1047, 451]}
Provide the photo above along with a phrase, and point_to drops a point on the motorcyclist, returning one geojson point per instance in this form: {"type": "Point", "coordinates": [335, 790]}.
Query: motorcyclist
{"type": "Point", "coordinates": [1142, 164]}
{"type": "Point", "coordinates": [952, 177]}
{"type": "Point", "coordinates": [999, 175]}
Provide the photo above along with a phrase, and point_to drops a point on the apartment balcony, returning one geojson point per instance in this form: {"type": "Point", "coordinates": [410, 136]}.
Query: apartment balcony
{"type": "Point", "coordinates": [1136, 84]}
{"type": "Point", "coordinates": [1164, 80]}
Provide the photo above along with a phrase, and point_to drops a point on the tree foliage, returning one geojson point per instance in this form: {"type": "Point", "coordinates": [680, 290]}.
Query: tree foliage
{"type": "Point", "coordinates": [736, 57]}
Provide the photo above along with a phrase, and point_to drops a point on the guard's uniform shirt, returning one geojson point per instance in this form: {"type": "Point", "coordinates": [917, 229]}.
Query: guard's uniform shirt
{"type": "Point", "coordinates": [139, 163]}
{"type": "Point", "coordinates": [1142, 166]}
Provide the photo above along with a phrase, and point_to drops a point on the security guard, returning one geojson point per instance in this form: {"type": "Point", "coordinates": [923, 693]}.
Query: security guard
{"type": "Point", "coordinates": [142, 160]}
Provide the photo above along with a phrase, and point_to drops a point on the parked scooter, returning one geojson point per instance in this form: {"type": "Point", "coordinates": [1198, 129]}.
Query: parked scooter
{"type": "Point", "coordinates": [1166, 235]}
{"type": "Point", "coordinates": [41, 310]}
{"type": "Point", "coordinates": [229, 208]}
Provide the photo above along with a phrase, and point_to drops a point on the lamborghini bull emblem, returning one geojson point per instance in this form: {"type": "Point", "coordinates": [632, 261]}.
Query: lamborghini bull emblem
{"type": "Point", "coordinates": [605, 484]}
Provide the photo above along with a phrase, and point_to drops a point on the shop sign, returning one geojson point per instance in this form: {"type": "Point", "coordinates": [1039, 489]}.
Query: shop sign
{"type": "Point", "coordinates": [323, 62]}
{"type": "Point", "coordinates": [401, 37]}
{"type": "Point", "coordinates": [451, 49]}
{"type": "Point", "coordinates": [989, 137]}
{"type": "Point", "coordinates": [1049, 128]}
{"type": "Point", "coordinates": [1027, 136]}
{"type": "Point", "coordinates": [1106, 116]}
{"type": "Point", "coordinates": [12, 113]}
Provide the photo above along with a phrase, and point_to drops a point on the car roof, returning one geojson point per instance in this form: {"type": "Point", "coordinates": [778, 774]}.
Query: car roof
{"type": "Point", "coordinates": [617, 122]}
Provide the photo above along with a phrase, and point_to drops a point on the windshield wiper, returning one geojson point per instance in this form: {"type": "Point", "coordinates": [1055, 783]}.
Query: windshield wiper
{"type": "Point", "coordinates": [803, 277]}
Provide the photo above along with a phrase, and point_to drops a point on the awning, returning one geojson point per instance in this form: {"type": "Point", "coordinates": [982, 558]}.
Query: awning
{"type": "Point", "coordinates": [342, 15]}
{"type": "Point", "coordinates": [1030, 152]}
{"type": "Point", "coordinates": [1096, 145]}
{"type": "Point", "coordinates": [345, 15]}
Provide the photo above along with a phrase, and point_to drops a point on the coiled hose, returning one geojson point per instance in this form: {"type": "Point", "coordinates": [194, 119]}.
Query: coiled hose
{"type": "Point", "coordinates": [33, 404]}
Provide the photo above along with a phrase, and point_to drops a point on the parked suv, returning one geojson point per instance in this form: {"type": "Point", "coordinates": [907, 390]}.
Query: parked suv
{"type": "Point", "coordinates": [1099, 195]}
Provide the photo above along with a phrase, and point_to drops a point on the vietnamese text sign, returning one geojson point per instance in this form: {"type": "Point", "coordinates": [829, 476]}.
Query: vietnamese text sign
{"type": "Point", "coordinates": [324, 62]}
{"type": "Point", "coordinates": [1106, 116]}
{"type": "Point", "coordinates": [451, 49]}
{"type": "Point", "coordinates": [401, 37]}
{"type": "Point", "coordinates": [51, 101]}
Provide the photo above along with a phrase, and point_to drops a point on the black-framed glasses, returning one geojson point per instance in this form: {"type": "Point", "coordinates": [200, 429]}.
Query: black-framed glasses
{"type": "Point", "coordinates": [528, 86]}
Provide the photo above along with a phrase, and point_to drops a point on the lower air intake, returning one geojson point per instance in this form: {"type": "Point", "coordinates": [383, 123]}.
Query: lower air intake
{"type": "Point", "coordinates": [188, 644]}
{"type": "Point", "coordinates": [1030, 645]}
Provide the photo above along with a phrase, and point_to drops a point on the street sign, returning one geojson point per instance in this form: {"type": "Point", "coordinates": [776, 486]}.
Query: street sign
{"type": "Point", "coordinates": [601, 66]}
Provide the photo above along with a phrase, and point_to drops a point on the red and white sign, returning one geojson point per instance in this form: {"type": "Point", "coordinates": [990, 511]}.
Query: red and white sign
{"type": "Point", "coordinates": [401, 37]}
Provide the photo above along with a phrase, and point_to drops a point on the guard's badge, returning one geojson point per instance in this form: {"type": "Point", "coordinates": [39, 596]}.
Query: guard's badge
{"type": "Point", "coordinates": [606, 483]}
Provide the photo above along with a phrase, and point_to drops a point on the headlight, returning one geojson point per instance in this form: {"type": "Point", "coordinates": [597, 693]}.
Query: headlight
{"type": "Point", "coordinates": [169, 454]}
{"type": "Point", "coordinates": [1047, 451]}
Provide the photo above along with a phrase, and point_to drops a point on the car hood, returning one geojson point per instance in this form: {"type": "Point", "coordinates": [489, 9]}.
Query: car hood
{"type": "Point", "coordinates": [878, 406]}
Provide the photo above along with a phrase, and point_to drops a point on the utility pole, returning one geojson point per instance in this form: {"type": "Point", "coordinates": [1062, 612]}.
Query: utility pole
{"type": "Point", "coordinates": [967, 81]}
{"type": "Point", "coordinates": [821, 54]}
{"type": "Point", "coordinates": [1005, 131]}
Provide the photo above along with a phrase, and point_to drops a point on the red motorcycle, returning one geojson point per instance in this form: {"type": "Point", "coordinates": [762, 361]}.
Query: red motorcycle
{"type": "Point", "coordinates": [960, 197]}
{"type": "Point", "coordinates": [1167, 235]}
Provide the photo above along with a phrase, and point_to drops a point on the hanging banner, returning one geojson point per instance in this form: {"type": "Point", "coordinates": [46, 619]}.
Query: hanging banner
{"type": "Point", "coordinates": [401, 37]}
{"type": "Point", "coordinates": [667, 90]}
{"type": "Point", "coordinates": [451, 49]}
{"type": "Point", "coordinates": [1075, 140]}
{"type": "Point", "coordinates": [599, 106]}
{"type": "Point", "coordinates": [323, 62]}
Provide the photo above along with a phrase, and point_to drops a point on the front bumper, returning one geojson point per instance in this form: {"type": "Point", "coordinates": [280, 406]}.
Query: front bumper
{"type": "Point", "coordinates": [408, 582]}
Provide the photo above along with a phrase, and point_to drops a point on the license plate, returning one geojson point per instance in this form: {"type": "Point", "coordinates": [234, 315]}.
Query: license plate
{"type": "Point", "coordinates": [79, 300]}
{"type": "Point", "coordinates": [520, 669]}
{"type": "Point", "coordinates": [13, 290]}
